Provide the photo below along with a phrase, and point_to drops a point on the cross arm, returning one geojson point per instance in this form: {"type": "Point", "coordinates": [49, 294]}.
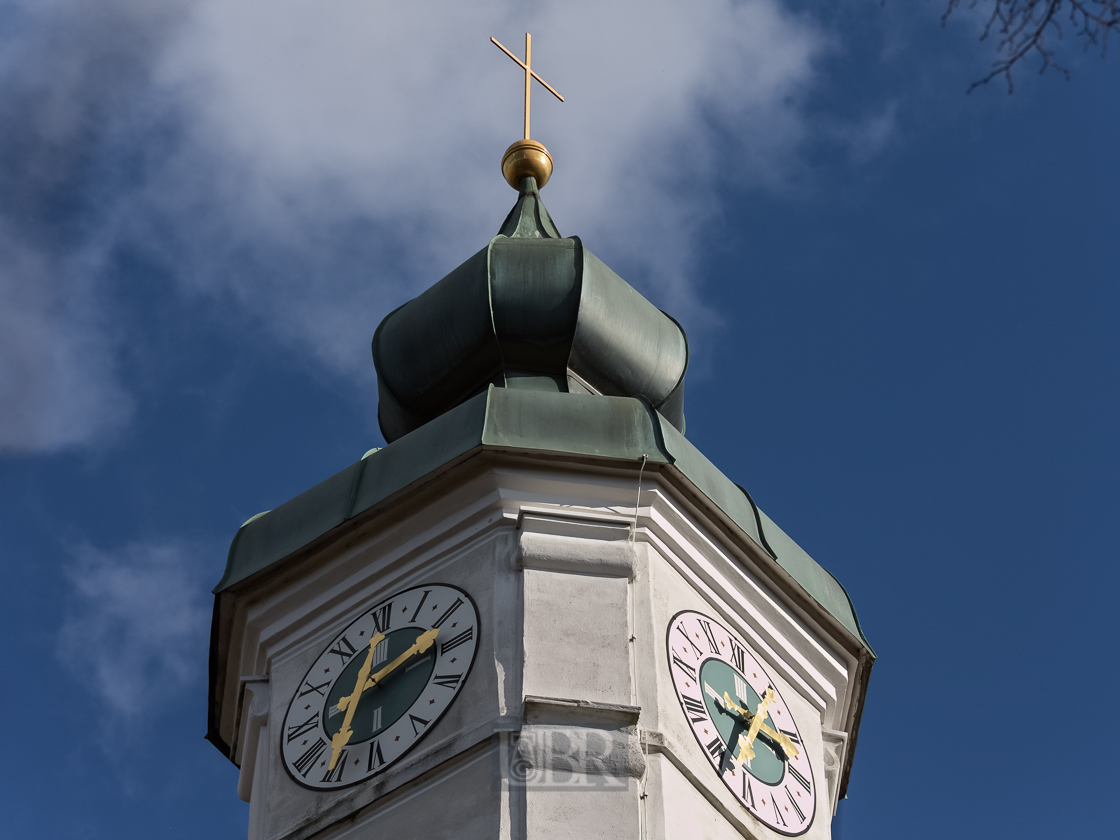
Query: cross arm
{"type": "Point", "coordinates": [532, 73]}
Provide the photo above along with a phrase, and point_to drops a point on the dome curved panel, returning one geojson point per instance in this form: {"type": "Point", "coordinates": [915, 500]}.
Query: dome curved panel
{"type": "Point", "coordinates": [530, 307]}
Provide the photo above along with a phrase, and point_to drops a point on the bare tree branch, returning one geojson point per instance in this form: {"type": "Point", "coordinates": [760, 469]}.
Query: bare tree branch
{"type": "Point", "coordinates": [1023, 27]}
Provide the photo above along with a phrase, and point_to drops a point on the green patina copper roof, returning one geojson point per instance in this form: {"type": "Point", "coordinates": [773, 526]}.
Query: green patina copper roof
{"type": "Point", "coordinates": [611, 429]}
{"type": "Point", "coordinates": [532, 345]}
{"type": "Point", "coordinates": [531, 304]}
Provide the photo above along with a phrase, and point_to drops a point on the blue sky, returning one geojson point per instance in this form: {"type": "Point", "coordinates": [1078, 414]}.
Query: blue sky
{"type": "Point", "coordinates": [901, 303]}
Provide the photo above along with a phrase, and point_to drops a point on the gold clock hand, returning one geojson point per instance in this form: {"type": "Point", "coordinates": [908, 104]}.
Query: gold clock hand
{"type": "Point", "coordinates": [350, 703]}
{"type": "Point", "coordinates": [727, 704]}
{"type": "Point", "coordinates": [779, 737]}
{"type": "Point", "coordinates": [756, 723]}
{"type": "Point", "coordinates": [422, 643]}
{"type": "Point", "coordinates": [732, 706]}
{"type": "Point", "coordinates": [745, 750]}
{"type": "Point", "coordinates": [783, 740]}
{"type": "Point", "coordinates": [745, 745]}
{"type": "Point", "coordinates": [729, 707]}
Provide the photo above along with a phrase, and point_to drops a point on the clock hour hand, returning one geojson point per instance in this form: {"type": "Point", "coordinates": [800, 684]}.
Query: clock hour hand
{"type": "Point", "coordinates": [781, 739]}
{"type": "Point", "coordinates": [350, 703]}
{"type": "Point", "coordinates": [422, 643]}
{"type": "Point", "coordinates": [738, 740]}
{"type": "Point", "coordinates": [729, 757]}
{"type": "Point", "coordinates": [725, 703]}
{"type": "Point", "coordinates": [730, 707]}
{"type": "Point", "coordinates": [756, 724]}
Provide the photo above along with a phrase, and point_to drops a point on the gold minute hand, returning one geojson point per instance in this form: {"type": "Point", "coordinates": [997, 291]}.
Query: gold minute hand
{"type": "Point", "coordinates": [757, 719]}
{"type": "Point", "coordinates": [727, 704]}
{"type": "Point", "coordinates": [779, 737]}
{"type": "Point", "coordinates": [422, 643]}
{"type": "Point", "coordinates": [783, 740]}
{"type": "Point", "coordinates": [342, 737]}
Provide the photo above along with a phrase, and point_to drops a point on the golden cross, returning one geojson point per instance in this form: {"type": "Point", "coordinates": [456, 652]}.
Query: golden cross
{"type": "Point", "coordinates": [527, 66]}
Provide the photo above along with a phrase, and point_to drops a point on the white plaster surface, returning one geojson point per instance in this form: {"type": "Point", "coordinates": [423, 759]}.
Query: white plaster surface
{"type": "Point", "coordinates": [678, 810]}
{"type": "Point", "coordinates": [545, 738]}
{"type": "Point", "coordinates": [459, 802]}
{"type": "Point", "coordinates": [576, 637]}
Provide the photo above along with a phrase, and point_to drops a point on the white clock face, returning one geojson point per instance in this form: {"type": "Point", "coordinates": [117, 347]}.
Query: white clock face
{"type": "Point", "coordinates": [380, 686]}
{"type": "Point", "coordinates": [741, 722]}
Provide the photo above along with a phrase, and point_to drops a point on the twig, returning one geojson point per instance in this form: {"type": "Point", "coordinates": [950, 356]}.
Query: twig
{"type": "Point", "coordinates": [1023, 26]}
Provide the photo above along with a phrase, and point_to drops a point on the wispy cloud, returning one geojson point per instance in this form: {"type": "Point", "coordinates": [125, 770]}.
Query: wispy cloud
{"type": "Point", "coordinates": [867, 137]}
{"type": "Point", "coordinates": [313, 166]}
{"type": "Point", "coordinates": [136, 631]}
{"type": "Point", "coordinates": [67, 75]}
{"type": "Point", "coordinates": [58, 382]}
{"type": "Point", "coordinates": [394, 117]}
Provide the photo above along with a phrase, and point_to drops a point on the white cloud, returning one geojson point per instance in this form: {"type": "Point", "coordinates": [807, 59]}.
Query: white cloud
{"type": "Point", "coordinates": [866, 138]}
{"type": "Point", "coordinates": [397, 114]}
{"type": "Point", "coordinates": [68, 74]}
{"type": "Point", "coordinates": [58, 386]}
{"type": "Point", "coordinates": [136, 632]}
{"type": "Point", "coordinates": [314, 165]}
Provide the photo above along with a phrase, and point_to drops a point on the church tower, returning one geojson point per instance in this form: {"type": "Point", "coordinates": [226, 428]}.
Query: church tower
{"type": "Point", "coordinates": [538, 611]}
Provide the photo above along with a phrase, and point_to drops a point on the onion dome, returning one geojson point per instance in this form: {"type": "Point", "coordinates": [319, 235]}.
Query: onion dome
{"type": "Point", "coordinates": [533, 310]}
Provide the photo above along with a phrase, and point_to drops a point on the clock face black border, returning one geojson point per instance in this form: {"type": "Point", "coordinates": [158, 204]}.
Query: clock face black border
{"type": "Point", "coordinates": [701, 660]}
{"type": "Point", "coordinates": [364, 614]}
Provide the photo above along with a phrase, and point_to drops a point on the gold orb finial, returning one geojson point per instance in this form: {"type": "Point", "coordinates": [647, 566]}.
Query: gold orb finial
{"type": "Point", "coordinates": [525, 158]}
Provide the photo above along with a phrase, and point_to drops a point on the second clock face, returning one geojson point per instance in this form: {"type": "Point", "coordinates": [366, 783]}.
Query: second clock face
{"type": "Point", "coordinates": [380, 686]}
{"type": "Point", "coordinates": [743, 725]}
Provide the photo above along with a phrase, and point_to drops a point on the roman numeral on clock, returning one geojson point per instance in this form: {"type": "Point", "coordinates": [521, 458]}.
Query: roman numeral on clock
{"type": "Point", "coordinates": [737, 657]}
{"type": "Point", "coordinates": [715, 748]}
{"type": "Point", "coordinates": [318, 689]}
{"type": "Point", "coordinates": [748, 793]}
{"type": "Point", "coordinates": [687, 638]}
{"type": "Point", "coordinates": [796, 807]}
{"type": "Point", "coordinates": [684, 666]}
{"type": "Point", "coordinates": [462, 638]}
{"type": "Point", "coordinates": [417, 720]}
{"type": "Point", "coordinates": [297, 730]}
{"type": "Point", "coordinates": [335, 775]}
{"type": "Point", "coordinates": [801, 780]}
{"type": "Point", "coordinates": [343, 650]}
{"type": "Point", "coordinates": [707, 628]}
{"type": "Point", "coordinates": [439, 621]}
{"type": "Point", "coordinates": [381, 617]}
{"type": "Point", "coordinates": [376, 759]}
{"type": "Point", "coordinates": [416, 612]}
{"type": "Point", "coordinates": [306, 761]}
{"type": "Point", "coordinates": [793, 736]}
{"type": "Point", "coordinates": [777, 813]}
{"type": "Point", "coordinates": [695, 709]}
{"type": "Point", "coordinates": [447, 680]}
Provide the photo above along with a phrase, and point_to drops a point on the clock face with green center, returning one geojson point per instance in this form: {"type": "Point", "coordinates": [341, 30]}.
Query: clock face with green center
{"type": "Point", "coordinates": [380, 686]}
{"type": "Point", "coordinates": [743, 725]}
